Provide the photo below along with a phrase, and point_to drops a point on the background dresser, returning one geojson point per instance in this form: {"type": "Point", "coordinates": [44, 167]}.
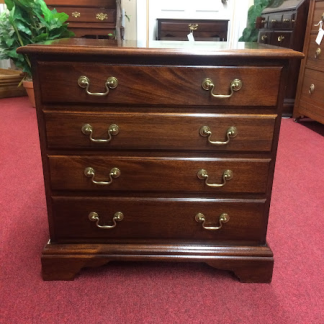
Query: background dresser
{"type": "Point", "coordinates": [203, 30]}
{"type": "Point", "coordinates": [90, 18]}
{"type": "Point", "coordinates": [309, 99]}
{"type": "Point", "coordinates": [158, 154]}
{"type": "Point", "coordinates": [285, 26]}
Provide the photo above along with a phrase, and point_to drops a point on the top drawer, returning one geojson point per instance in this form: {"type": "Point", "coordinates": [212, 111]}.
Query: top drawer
{"type": "Point", "coordinates": [157, 85]}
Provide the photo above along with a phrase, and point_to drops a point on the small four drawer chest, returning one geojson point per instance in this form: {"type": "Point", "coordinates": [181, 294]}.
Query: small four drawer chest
{"type": "Point", "coordinates": [154, 154]}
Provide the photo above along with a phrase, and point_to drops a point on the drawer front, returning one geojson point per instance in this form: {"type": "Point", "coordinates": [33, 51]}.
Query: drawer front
{"type": "Point", "coordinates": [179, 132]}
{"type": "Point", "coordinates": [281, 39]}
{"type": "Point", "coordinates": [156, 219]}
{"type": "Point", "coordinates": [151, 85]}
{"type": "Point", "coordinates": [315, 55]}
{"type": "Point", "coordinates": [312, 92]}
{"type": "Point", "coordinates": [196, 26]}
{"type": "Point", "coordinates": [154, 174]}
{"type": "Point", "coordinates": [275, 21]}
{"type": "Point", "coordinates": [89, 15]}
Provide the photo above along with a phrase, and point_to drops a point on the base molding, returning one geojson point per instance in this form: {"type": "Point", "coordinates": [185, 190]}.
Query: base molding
{"type": "Point", "coordinates": [249, 263]}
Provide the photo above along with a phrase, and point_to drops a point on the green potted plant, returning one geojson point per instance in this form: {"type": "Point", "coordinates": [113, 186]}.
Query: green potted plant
{"type": "Point", "coordinates": [28, 22]}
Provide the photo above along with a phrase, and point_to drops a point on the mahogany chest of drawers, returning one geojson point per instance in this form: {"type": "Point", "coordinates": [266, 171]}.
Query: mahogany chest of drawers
{"type": "Point", "coordinates": [202, 29]}
{"type": "Point", "coordinates": [284, 25]}
{"type": "Point", "coordinates": [309, 99]}
{"type": "Point", "coordinates": [158, 154]}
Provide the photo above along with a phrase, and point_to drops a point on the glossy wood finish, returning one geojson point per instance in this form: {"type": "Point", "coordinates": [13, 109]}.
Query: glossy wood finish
{"type": "Point", "coordinates": [159, 106]}
{"type": "Point", "coordinates": [205, 30]}
{"type": "Point", "coordinates": [310, 103]}
{"type": "Point", "coordinates": [285, 27]}
{"type": "Point", "coordinates": [159, 131]}
{"type": "Point", "coordinates": [152, 85]}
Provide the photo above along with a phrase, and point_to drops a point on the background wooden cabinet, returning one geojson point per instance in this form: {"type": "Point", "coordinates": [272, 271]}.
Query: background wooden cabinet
{"type": "Point", "coordinates": [285, 26]}
{"type": "Point", "coordinates": [90, 18]}
{"type": "Point", "coordinates": [309, 99]}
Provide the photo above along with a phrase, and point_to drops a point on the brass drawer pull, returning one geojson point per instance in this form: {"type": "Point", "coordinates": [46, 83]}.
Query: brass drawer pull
{"type": "Point", "coordinates": [273, 20]}
{"type": "Point", "coordinates": [318, 52]}
{"type": "Point", "coordinates": [230, 133]}
{"type": "Point", "coordinates": [76, 14]}
{"type": "Point", "coordinates": [193, 27]}
{"type": "Point", "coordinates": [311, 89]}
{"type": "Point", "coordinates": [286, 20]}
{"type": "Point", "coordinates": [91, 173]}
{"type": "Point", "coordinates": [264, 37]}
{"type": "Point", "coordinates": [84, 83]}
{"type": "Point", "coordinates": [112, 130]}
{"type": "Point", "coordinates": [208, 85]}
{"type": "Point", "coordinates": [94, 217]}
{"type": "Point", "coordinates": [223, 218]}
{"type": "Point", "coordinates": [203, 175]}
{"type": "Point", "coordinates": [281, 38]}
{"type": "Point", "coordinates": [101, 16]}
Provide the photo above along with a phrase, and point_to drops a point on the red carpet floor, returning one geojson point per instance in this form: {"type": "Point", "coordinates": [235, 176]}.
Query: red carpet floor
{"type": "Point", "coordinates": [161, 292]}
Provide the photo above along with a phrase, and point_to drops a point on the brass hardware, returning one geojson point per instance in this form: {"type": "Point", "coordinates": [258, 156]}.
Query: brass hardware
{"type": "Point", "coordinates": [318, 52]}
{"type": "Point", "coordinates": [76, 14]}
{"type": "Point", "coordinates": [205, 131]}
{"type": "Point", "coordinates": [223, 218]}
{"type": "Point", "coordinates": [263, 21]}
{"type": "Point", "coordinates": [274, 20]}
{"type": "Point", "coordinates": [281, 38]}
{"type": "Point", "coordinates": [84, 83]}
{"type": "Point", "coordinates": [203, 175]}
{"type": "Point", "coordinates": [113, 174]}
{"type": "Point", "coordinates": [94, 217]}
{"type": "Point", "coordinates": [101, 16]}
{"type": "Point", "coordinates": [112, 130]}
{"type": "Point", "coordinates": [286, 20]}
{"type": "Point", "coordinates": [311, 88]}
{"type": "Point", "coordinates": [264, 37]}
{"type": "Point", "coordinates": [208, 84]}
{"type": "Point", "coordinates": [193, 27]}
{"type": "Point", "coordinates": [293, 20]}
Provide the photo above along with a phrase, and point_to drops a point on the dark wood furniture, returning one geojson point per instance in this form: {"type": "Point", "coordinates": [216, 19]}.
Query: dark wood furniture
{"type": "Point", "coordinates": [309, 99]}
{"type": "Point", "coordinates": [285, 26]}
{"type": "Point", "coordinates": [203, 29]}
{"type": "Point", "coordinates": [146, 160]}
{"type": "Point", "coordinates": [90, 18]}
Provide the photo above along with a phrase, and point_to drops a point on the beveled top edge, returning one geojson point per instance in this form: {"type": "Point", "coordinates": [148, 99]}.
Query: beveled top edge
{"type": "Point", "coordinates": [81, 46]}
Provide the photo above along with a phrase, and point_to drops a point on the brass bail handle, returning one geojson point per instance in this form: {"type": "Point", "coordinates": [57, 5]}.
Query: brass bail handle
{"type": "Point", "coordinates": [193, 27]}
{"type": "Point", "coordinates": [318, 52]}
{"type": "Point", "coordinates": [91, 173]}
{"type": "Point", "coordinates": [223, 218]}
{"type": "Point", "coordinates": [235, 85]}
{"type": "Point", "coordinates": [206, 132]}
{"type": "Point", "coordinates": [84, 83]}
{"type": "Point", "coordinates": [203, 175]}
{"type": "Point", "coordinates": [94, 217]}
{"type": "Point", "coordinates": [112, 130]}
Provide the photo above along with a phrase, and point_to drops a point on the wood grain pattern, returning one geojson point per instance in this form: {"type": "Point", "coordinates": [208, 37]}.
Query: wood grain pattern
{"type": "Point", "coordinates": [159, 131]}
{"type": "Point", "coordinates": [153, 85]}
{"type": "Point", "coordinates": [158, 174]}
